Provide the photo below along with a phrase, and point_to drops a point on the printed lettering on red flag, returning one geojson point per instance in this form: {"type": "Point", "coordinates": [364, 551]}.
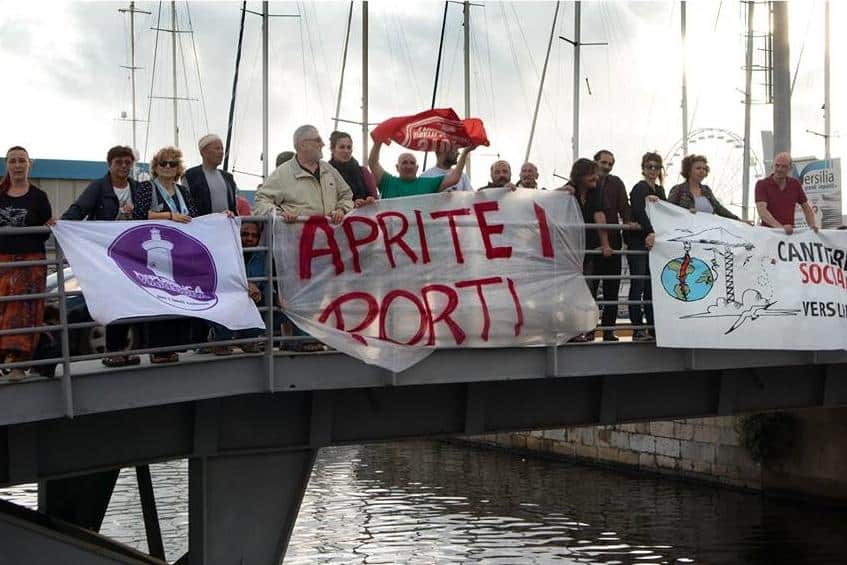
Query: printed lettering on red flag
{"type": "Point", "coordinates": [432, 129]}
{"type": "Point", "coordinates": [401, 277]}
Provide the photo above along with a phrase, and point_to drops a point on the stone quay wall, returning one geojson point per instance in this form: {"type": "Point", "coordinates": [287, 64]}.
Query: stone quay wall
{"type": "Point", "coordinates": [705, 449]}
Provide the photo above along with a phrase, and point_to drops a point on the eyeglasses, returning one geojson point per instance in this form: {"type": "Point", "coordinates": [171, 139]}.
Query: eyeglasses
{"type": "Point", "coordinates": [317, 140]}
{"type": "Point", "coordinates": [169, 164]}
{"type": "Point", "coordinates": [653, 167]}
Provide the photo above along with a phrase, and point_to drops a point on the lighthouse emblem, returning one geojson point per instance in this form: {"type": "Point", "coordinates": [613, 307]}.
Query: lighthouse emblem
{"type": "Point", "coordinates": [159, 259]}
{"type": "Point", "coordinates": [168, 264]}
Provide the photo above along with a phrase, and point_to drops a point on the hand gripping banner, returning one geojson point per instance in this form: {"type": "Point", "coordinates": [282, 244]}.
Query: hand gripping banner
{"type": "Point", "coordinates": [719, 283]}
{"type": "Point", "coordinates": [153, 268]}
{"type": "Point", "coordinates": [432, 129]}
{"type": "Point", "coordinates": [401, 277]}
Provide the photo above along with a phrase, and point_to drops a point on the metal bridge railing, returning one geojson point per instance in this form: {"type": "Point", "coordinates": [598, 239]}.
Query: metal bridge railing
{"type": "Point", "coordinates": [273, 343]}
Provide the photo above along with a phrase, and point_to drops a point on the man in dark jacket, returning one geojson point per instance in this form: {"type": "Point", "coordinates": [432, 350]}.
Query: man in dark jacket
{"type": "Point", "coordinates": [612, 194]}
{"type": "Point", "coordinates": [111, 198]}
{"type": "Point", "coordinates": [212, 189]}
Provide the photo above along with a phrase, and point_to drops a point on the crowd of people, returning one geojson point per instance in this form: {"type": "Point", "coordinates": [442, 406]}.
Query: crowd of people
{"type": "Point", "coordinates": [304, 184]}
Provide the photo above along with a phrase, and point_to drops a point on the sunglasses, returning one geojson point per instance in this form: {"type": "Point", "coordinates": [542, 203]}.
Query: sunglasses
{"type": "Point", "coordinates": [653, 167]}
{"type": "Point", "coordinates": [169, 164]}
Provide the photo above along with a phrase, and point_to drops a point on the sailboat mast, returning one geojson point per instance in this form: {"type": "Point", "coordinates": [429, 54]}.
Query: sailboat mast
{"type": "Point", "coordinates": [173, 73]}
{"type": "Point", "coordinates": [365, 81]}
{"type": "Point", "coordinates": [466, 7]}
{"type": "Point", "coordinates": [343, 66]}
{"type": "Point", "coordinates": [748, 84]}
{"type": "Point", "coordinates": [684, 80]}
{"type": "Point", "coordinates": [541, 86]}
{"type": "Point", "coordinates": [827, 113]}
{"type": "Point", "coordinates": [438, 66]}
{"type": "Point", "coordinates": [265, 86]}
{"type": "Point", "coordinates": [132, 67]}
{"type": "Point", "coordinates": [577, 42]}
{"type": "Point", "coordinates": [234, 87]}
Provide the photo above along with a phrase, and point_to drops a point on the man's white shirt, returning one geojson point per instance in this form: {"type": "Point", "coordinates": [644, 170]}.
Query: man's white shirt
{"type": "Point", "coordinates": [463, 185]}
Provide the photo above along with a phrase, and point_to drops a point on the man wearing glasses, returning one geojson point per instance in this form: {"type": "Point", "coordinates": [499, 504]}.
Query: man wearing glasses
{"type": "Point", "coordinates": [305, 185]}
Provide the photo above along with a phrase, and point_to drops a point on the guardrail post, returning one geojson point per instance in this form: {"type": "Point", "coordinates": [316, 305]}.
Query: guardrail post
{"type": "Point", "coordinates": [67, 391]}
{"type": "Point", "coordinates": [269, 301]}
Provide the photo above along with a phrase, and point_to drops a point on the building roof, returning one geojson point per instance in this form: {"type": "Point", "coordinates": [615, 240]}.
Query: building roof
{"type": "Point", "coordinates": [64, 169]}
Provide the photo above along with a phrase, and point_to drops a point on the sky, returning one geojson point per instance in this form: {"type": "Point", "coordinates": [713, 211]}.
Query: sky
{"type": "Point", "coordinates": [66, 86]}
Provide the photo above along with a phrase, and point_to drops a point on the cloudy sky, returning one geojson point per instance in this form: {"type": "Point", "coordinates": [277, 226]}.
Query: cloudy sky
{"type": "Point", "coordinates": [65, 89]}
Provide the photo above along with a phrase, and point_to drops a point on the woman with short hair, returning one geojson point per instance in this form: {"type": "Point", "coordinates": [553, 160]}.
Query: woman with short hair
{"type": "Point", "coordinates": [693, 194]}
{"type": "Point", "coordinates": [22, 204]}
{"type": "Point", "coordinates": [111, 198]}
{"type": "Point", "coordinates": [649, 188]}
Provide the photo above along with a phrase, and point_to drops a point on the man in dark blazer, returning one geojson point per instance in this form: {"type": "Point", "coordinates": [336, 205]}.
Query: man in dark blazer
{"type": "Point", "coordinates": [212, 189]}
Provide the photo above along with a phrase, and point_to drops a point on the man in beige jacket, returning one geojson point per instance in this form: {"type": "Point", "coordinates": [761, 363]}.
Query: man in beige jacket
{"type": "Point", "coordinates": [305, 185]}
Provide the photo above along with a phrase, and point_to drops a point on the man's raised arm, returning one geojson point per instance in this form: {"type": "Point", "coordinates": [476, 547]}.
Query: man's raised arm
{"type": "Point", "coordinates": [373, 162]}
{"type": "Point", "coordinates": [455, 174]}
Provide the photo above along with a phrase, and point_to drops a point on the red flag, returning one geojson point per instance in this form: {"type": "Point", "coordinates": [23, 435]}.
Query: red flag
{"type": "Point", "coordinates": [432, 129]}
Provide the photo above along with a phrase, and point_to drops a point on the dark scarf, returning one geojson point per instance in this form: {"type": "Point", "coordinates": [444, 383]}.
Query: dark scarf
{"type": "Point", "coordinates": [352, 173]}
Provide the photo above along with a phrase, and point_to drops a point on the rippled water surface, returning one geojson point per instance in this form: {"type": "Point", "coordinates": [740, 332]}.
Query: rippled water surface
{"type": "Point", "coordinates": [428, 502]}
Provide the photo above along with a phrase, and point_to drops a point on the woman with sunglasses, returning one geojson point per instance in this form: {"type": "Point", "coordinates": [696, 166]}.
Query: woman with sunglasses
{"type": "Point", "coordinates": [642, 240]}
{"type": "Point", "coordinates": [163, 199]}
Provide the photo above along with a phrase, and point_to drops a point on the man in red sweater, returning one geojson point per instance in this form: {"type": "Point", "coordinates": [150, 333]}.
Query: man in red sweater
{"type": "Point", "coordinates": [777, 196]}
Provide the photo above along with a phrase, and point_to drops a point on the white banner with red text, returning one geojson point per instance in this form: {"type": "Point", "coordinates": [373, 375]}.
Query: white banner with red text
{"type": "Point", "coordinates": [401, 277]}
{"type": "Point", "coordinates": [160, 268]}
{"type": "Point", "coordinates": [720, 283]}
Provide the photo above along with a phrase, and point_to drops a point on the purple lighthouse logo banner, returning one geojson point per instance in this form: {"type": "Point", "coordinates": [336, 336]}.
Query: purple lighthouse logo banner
{"type": "Point", "coordinates": [168, 264]}
{"type": "Point", "coordinates": [159, 268]}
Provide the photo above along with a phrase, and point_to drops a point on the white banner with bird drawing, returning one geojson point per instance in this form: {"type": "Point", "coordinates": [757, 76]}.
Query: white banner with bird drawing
{"type": "Point", "coordinates": [720, 283]}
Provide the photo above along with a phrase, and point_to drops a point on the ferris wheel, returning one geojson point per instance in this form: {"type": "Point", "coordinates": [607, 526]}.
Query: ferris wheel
{"type": "Point", "coordinates": [724, 151]}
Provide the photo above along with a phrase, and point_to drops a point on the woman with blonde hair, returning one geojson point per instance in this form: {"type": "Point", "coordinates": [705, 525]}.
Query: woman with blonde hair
{"type": "Point", "coordinates": [162, 198]}
{"type": "Point", "coordinates": [22, 204]}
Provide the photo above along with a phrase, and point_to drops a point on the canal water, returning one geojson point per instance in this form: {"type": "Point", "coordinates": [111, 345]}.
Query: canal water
{"type": "Point", "coordinates": [434, 502]}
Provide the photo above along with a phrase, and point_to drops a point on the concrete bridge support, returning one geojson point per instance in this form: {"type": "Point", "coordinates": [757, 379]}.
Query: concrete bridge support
{"type": "Point", "coordinates": [242, 508]}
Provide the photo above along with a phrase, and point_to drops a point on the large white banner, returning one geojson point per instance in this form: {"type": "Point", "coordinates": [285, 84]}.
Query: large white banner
{"type": "Point", "coordinates": [152, 268]}
{"type": "Point", "coordinates": [720, 283]}
{"type": "Point", "coordinates": [403, 276]}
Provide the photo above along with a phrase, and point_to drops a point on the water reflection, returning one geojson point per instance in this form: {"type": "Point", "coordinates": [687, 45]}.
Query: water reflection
{"type": "Point", "coordinates": [426, 502]}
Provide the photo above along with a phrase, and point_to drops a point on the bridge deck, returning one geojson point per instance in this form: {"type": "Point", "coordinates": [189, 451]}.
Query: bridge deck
{"type": "Point", "coordinates": [97, 389]}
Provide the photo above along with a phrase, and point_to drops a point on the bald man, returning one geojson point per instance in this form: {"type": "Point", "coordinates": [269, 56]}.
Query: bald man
{"type": "Point", "coordinates": [212, 189]}
{"type": "Point", "coordinates": [501, 176]}
{"type": "Point", "coordinates": [777, 197]}
{"type": "Point", "coordinates": [528, 176]}
{"type": "Point", "coordinates": [407, 182]}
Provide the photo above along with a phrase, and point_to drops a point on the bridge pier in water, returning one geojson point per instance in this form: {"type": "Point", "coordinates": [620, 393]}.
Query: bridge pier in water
{"type": "Point", "coordinates": [242, 508]}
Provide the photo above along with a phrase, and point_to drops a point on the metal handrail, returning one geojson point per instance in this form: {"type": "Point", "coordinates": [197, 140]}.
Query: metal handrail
{"type": "Point", "coordinates": [268, 309]}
